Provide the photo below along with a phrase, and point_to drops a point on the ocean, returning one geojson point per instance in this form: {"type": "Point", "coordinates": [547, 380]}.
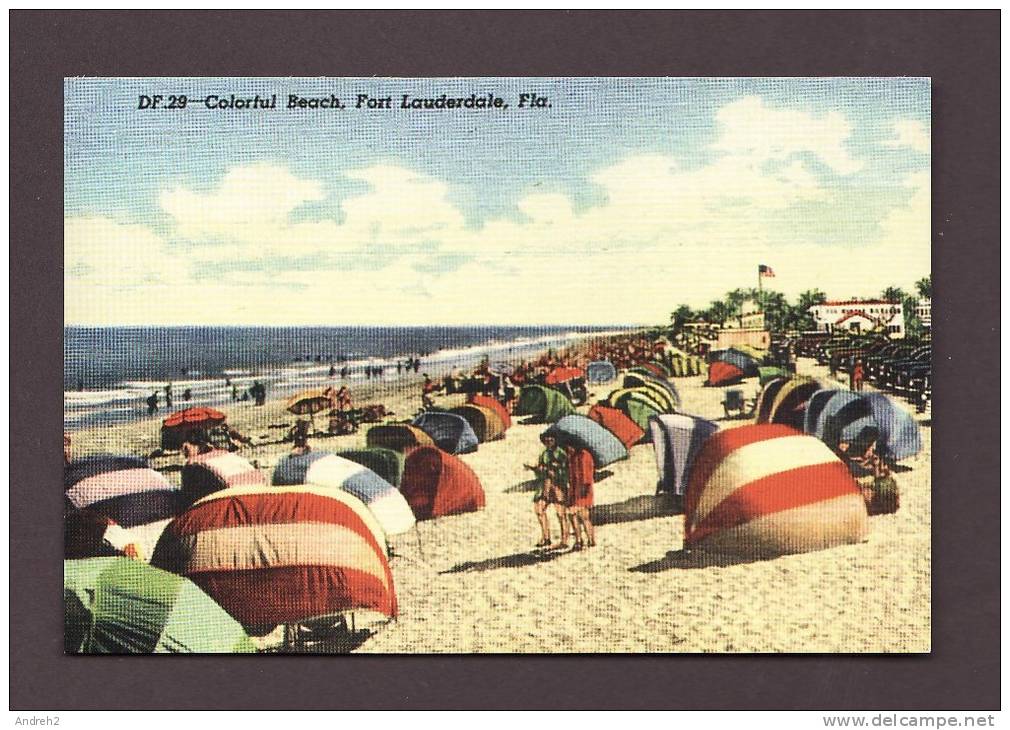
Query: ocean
{"type": "Point", "coordinates": [109, 372]}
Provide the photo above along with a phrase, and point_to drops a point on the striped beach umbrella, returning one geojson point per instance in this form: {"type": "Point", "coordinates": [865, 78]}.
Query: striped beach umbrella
{"type": "Point", "coordinates": [766, 398]}
{"type": "Point", "coordinates": [281, 555]}
{"type": "Point", "coordinates": [767, 490]}
{"type": "Point", "coordinates": [122, 606]}
{"type": "Point", "coordinates": [217, 470]}
{"type": "Point", "coordinates": [485, 401]}
{"type": "Point", "coordinates": [122, 488]}
{"type": "Point", "coordinates": [324, 469]}
{"type": "Point", "coordinates": [677, 440]}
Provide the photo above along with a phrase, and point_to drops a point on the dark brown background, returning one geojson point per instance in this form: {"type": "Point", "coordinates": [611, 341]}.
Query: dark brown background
{"type": "Point", "coordinates": [959, 50]}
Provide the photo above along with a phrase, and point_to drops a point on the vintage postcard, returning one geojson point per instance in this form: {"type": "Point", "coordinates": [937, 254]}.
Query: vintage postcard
{"type": "Point", "coordinates": [497, 365]}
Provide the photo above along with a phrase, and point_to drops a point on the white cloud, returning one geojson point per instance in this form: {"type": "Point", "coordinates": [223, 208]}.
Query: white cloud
{"type": "Point", "coordinates": [910, 133]}
{"type": "Point", "coordinates": [663, 234]}
{"type": "Point", "coordinates": [758, 133]}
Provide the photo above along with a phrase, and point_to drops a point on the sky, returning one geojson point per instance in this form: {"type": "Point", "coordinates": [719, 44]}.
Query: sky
{"type": "Point", "coordinates": [621, 200]}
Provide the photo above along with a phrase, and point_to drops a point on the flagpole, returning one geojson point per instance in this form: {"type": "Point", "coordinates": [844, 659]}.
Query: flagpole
{"type": "Point", "coordinates": [760, 290]}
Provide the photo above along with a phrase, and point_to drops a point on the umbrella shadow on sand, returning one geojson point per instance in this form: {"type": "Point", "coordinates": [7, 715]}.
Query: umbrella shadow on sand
{"type": "Point", "coordinates": [516, 560]}
{"type": "Point", "coordinates": [643, 507]}
{"type": "Point", "coordinates": [691, 560]}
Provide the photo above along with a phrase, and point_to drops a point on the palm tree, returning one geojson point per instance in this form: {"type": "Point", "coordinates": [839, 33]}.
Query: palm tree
{"type": "Point", "coordinates": [924, 287]}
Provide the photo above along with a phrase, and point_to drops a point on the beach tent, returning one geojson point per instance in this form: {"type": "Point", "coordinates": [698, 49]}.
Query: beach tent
{"type": "Point", "coordinates": [122, 488]}
{"type": "Point", "coordinates": [677, 439]}
{"type": "Point", "coordinates": [600, 371]}
{"type": "Point", "coordinates": [584, 433]}
{"type": "Point", "coordinates": [485, 401]}
{"type": "Point", "coordinates": [900, 437]}
{"type": "Point", "coordinates": [449, 431]}
{"type": "Point", "coordinates": [281, 555]}
{"type": "Point", "coordinates": [436, 484]}
{"type": "Point", "coordinates": [651, 394]}
{"type": "Point", "coordinates": [747, 364]}
{"type": "Point", "coordinates": [486, 423]}
{"type": "Point", "coordinates": [813, 418]}
{"type": "Point", "coordinates": [763, 409]}
{"type": "Point", "coordinates": [656, 368]}
{"type": "Point", "coordinates": [546, 405]}
{"type": "Point", "coordinates": [678, 368]}
{"type": "Point", "coordinates": [217, 470]}
{"type": "Point", "coordinates": [636, 380]}
{"type": "Point", "coordinates": [639, 410]}
{"type": "Point", "coordinates": [617, 422]}
{"type": "Point", "coordinates": [563, 374]}
{"type": "Point", "coordinates": [754, 353]}
{"type": "Point", "coordinates": [324, 469]}
{"type": "Point", "coordinates": [397, 436]}
{"type": "Point", "coordinates": [765, 490]}
{"type": "Point", "coordinates": [723, 373]}
{"type": "Point", "coordinates": [847, 414]}
{"type": "Point", "coordinates": [122, 606]}
{"type": "Point", "coordinates": [770, 372]}
{"type": "Point", "coordinates": [387, 463]}
{"type": "Point", "coordinates": [789, 406]}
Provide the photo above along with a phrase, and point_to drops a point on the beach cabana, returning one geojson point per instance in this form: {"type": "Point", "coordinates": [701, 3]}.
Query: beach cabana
{"type": "Point", "coordinates": [485, 422]}
{"type": "Point", "coordinates": [789, 406]}
{"type": "Point", "coordinates": [324, 469]}
{"type": "Point", "coordinates": [649, 393]}
{"type": "Point", "coordinates": [723, 373]}
{"type": "Point", "coordinates": [387, 463]}
{"type": "Point", "coordinates": [763, 409]}
{"type": "Point", "coordinates": [281, 555]}
{"type": "Point", "coordinates": [900, 437]}
{"type": "Point", "coordinates": [677, 439]}
{"type": "Point", "coordinates": [397, 436]}
{"type": "Point", "coordinates": [449, 431]}
{"type": "Point", "coordinates": [545, 405]}
{"type": "Point", "coordinates": [485, 401]}
{"type": "Point", "coordinates": [217, 470]}
{"type": "Point", "coordinates": [617, 422]}
{"type": "Point", "coordinates": [639, 410]}
{"type": "Point", "coordinates": [122, 606]}
{"type": "Point", "coordinates": [817, 409]}
{"type": "Point", "coordinates": [847, 415]}
{"type": "Point", "coordinates": [765, 490]}
{"type": "Point", "coordinates": [122, 488]}
{"type": "Point", "coordinates": [600, 371]}
{"type": "Point", "coordinates": [584, 433]}
{"type": "Point", "coordinates": [437, 484]}
{"type": "Point", "coordinates": [636, 380]}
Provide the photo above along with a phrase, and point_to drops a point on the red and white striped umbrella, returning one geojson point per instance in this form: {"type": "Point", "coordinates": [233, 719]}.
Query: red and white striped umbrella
{"type": "Point", "coordinates": [766, 490]}
{"type": "Point", "coordinates": [280, 555]}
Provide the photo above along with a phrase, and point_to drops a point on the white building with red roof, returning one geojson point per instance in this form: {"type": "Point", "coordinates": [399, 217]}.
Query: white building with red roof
{"type": "Point", "coordinates": [860, 315]}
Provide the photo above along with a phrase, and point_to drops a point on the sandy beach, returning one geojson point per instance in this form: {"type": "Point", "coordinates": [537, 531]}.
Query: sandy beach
{"type": "Point", "coordinates": [472, 583]}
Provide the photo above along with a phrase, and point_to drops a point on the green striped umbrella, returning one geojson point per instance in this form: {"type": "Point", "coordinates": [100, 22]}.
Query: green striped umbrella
{"type": "Point", "coordinates": [124, 606]}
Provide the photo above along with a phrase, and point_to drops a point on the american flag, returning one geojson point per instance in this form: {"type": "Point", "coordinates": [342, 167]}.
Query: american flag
{"type": "Point", "coordinates": [765, 270]}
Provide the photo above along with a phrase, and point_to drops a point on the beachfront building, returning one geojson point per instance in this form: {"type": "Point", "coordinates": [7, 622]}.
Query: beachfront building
{"type": "Point", "coordinates": [860, 315]}
{"type": "Point", "coordinates": [923, 310]}
{"type": "Point", "coordinates": [748, 328]}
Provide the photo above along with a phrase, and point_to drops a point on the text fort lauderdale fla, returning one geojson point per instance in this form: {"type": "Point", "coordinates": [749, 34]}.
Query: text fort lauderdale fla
{"type": "Point", "coordinates": [365, 101]}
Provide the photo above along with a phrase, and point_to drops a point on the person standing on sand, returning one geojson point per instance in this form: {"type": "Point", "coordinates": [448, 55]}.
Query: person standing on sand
{"type": "Point", "coordinates": [552, 473]}
{"type": "Point", "coordinates": [857, 375]}
{"type": "Point", "coordinates": [581, 469]}
{"type": "Point", "coordinates": [194, 444]}
{"type": "Point", "coordinates": [168, 396]}
{"type": "Point", "coordinates": [428, 388]}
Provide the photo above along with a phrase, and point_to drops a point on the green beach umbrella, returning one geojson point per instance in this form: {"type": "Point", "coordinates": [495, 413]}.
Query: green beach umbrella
{"type": "Point", "coordinates": [124, 606]}
{"type": "Point", "coordinates": [770, 372]}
